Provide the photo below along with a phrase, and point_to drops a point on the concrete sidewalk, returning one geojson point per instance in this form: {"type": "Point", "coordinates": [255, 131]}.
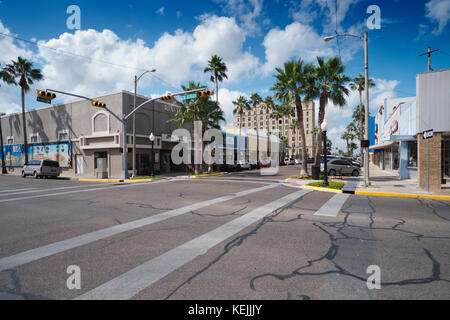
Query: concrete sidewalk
{"type": "Point", "coordinates": [389, 182]}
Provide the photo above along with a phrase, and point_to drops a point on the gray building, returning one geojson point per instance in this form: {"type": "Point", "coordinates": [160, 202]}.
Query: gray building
{"type": "Point", "coordinates": [77, 134]}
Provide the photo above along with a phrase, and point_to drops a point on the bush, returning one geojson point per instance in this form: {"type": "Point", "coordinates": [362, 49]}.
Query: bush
{"type": "Point", "coordinates": [331, 184]}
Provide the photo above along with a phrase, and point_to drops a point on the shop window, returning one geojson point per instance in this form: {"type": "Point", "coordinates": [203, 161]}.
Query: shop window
{"type": "Point", "coordinates": [412, 153]}
{"type": "Point", "coordinates": [10, 140]}
{"type": "Point", "coordinates": [34, 138]}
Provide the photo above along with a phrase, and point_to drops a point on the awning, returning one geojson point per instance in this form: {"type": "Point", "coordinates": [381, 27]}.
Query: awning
{"type": "Point", "coordinates": [383, 145]}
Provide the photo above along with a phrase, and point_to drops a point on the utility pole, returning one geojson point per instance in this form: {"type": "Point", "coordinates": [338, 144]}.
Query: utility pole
{"type": "Point", "coordinates": [429, 57]}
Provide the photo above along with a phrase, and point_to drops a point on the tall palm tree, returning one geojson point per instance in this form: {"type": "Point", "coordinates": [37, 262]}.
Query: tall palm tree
{"type": "Point", "coordinates": [242, 105]}
{"type": "Point", "coordinates": [329, 85]}
{"type": "Point", "coordinates": [269, 105]}
{"type": "Point", "coordinates": [218, 70]}
{"type": "Point", "coordinates": [199, 109]}
{"type": "Point", "coordinates": [22, 69]}
{"type": "Point", "coordinates": [359, 84]}
{"type": "Point", "coordinates": [256, 99]}
{"type": "Point", "coordinates": [291, 83]}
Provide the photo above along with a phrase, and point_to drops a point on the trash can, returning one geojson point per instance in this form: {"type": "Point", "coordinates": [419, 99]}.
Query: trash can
{"type": "Point", "coordinates": [315, 172]}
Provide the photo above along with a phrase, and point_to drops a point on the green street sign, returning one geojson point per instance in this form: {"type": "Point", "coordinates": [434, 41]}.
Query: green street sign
{"type": "Point", "coordinates": [190, 96]}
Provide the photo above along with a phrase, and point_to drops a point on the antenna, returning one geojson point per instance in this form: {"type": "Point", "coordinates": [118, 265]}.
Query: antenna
{"type": "Point", "coordinates": [429, 57]}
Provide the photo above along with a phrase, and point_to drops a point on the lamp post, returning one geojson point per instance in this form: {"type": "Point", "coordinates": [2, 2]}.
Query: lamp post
{"type": "Point", "coordinates": [366, 118]}
{"type": "Point", "coordinates": [152, 140]}
{"type": "Point", "coordinates": [1, 145]}
{"type": "Point", "coordinates": [136, 79]}
{"type": "Point", "coordinates": [324, 128]}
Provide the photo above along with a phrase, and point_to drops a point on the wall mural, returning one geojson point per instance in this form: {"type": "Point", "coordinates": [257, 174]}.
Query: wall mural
{"type": "Point", "coordinates": [58, 151]}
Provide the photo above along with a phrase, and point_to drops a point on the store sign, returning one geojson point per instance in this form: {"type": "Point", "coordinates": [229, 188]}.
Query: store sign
{"type": "Point", "coordinates": [428, 134]}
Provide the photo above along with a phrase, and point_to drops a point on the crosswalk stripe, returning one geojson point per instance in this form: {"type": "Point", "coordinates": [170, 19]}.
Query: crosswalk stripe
{"type": "Point", "coordinates": [332, 207]}
{"type": "Point", "coordinates": [57, 247]}
{"type": "Point", "coordinates": [134, 281]}
{"type": "Point", "coordinates": [15, 190]}
{"type": "Point", "coordinates": [32, 190]}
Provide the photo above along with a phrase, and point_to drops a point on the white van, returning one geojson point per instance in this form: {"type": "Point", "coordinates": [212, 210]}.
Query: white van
{"type": "Point", "coordinates": [41, 169]}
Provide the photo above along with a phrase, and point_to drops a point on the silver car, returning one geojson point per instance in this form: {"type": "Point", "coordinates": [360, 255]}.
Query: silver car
{"type": "Point", "coordinates": [41, 169]}
{"type": "Point", "coordinates": [341, 167]}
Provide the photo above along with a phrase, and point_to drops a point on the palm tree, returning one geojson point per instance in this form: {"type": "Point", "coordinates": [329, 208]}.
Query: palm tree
{"type": "Point", "coordinates": [22, 70]}
{"type": "Point", "coordinates": [242, 105]}
{"type": "Point", "coordinates": [199, 109]}
{"type": "Point", "coordinates": [359, 84]}
{"type": "Point", "coordinates": [256, 99]}
{"type": "Point", "coordinates": [218, 70]}
{"type": "Point", "coordinates": [314, 132]}
{"type": "Point", "coordinates": [292, 82]}
{"type": "Point", "coordinates": [329, 85]}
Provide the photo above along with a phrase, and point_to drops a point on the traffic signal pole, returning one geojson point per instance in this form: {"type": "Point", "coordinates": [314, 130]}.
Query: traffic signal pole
{"type": "Point", "coordinates": [124, 119]}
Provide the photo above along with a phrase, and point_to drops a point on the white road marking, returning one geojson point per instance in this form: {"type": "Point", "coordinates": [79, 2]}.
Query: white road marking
{"type": "Point", "coordinates": [57, 247]}
{"type": "Point", "coordinates": [14, 190]}
{"type": "Point", "coordinates": [52, 189]}
{"type": "Point", "coordinates": [134, 281]}
{"type": "Point", "coordinates": [332, 207]}
{"type": "Point", "coordinates": [235, 180]}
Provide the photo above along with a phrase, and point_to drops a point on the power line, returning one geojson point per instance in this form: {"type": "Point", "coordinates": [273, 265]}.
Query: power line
{"type": "Point", "coordinates": [71, 53]}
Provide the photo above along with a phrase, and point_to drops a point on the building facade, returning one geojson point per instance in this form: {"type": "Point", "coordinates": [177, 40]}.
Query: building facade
{"type": "Point", "coordinates": [77, 135]}
{"type": "Point", "coordinates": [400, 123]}
{"type": "Point", "coordinates": [259, 119]}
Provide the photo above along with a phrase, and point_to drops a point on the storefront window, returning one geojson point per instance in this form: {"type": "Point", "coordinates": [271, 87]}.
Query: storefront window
{"type": "Point", "coordinates": [446, 157]}
{"type": "Point", "coordinates": [412, 153]}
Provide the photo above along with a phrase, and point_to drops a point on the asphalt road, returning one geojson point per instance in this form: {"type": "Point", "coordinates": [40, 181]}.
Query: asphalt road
{"type": "Point", "coordinates": [238, 236]}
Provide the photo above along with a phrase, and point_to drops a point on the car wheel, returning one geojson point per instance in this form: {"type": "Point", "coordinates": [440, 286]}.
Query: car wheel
{"type": "Point", "coordinates": [35, 175]}
{"type": "Point", "coordinates": [332, 172]}
{"type": "Point", "coordinates": [355, 173]}
{"type": "Point", "coordinates": [23, 174]}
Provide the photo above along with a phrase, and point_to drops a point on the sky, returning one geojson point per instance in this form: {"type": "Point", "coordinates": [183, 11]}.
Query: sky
{"type": "Point", "coordinates": [117, 40]}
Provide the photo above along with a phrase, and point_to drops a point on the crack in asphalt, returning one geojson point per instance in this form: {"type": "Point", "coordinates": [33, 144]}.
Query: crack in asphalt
{"type": "Point", "coordinates": [237, 241]}
{"type": "Point", "coordinates": [333, 250]}
{"type": "Point", "coordinates": [17, 288]}
{"type": "Point", "coordinates": [219, 215]}
{"type": "Point", "coordinates": [147, 206]}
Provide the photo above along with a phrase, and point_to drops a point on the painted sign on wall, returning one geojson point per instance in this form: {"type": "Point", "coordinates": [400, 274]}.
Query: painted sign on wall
{"type": "Point", "coordinates": [58, 151]}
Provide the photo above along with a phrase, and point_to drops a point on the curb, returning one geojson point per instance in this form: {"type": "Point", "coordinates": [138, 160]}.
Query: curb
{"type": "Point", "coordinates": [402, 195]}
{"type": "Point", "coordinates": [321, 189]}
{"type": "Point", "coordinates": [207, 175]}
{"type": "Point", "coordinates": [113, 180]}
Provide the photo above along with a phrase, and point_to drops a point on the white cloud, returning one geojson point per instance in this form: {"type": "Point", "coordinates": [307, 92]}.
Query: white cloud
{"type": "Point", "coordinates": [8, 49]}
{"type": "Point", "coordinates": [226, 98]}
{"type": "Point", "coordinates": [438, 11]}
{"type": "Point", "coordinates": [296, 40]}
{"type": "Point", "coordinates": [160, 11]}
{"type": "Point", "coordinates": [246, 12]}
{"type": "Point", "coordinates": [177, 57]}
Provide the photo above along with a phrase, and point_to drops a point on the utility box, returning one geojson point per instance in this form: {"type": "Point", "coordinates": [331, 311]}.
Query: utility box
{"type": "Point", "coordinates": [102, 168]}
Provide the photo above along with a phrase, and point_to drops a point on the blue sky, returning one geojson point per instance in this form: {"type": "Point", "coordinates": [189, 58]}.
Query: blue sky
{"type": "Point", "coordinates": [253, 36]}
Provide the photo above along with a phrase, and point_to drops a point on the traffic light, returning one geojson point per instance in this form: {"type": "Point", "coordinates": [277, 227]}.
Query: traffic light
{"type": "Point", "coordinates": [98, 104]}
{"type": "Point", "coordinates": [45, 95]}
{"type": "Point", "coordinates": [167, 98]}
{"type": "Point", "coordinates": [206, 93]}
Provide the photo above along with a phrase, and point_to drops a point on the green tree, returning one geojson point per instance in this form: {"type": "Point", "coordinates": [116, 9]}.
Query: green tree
{"type": "Point", "coordinates": [358, 84]}
{"type": "Point", "coordinates": [22, 70]}
{"type": "Point", "coordinates": [329, 84]}
{"type": "Point", "coordinates": [292, 82]}
{"type": "Point", "coordinates": [199, 109]}
{"type": "Point", "coordinates": [242, 105]}
{"type": "Point", "coordinates": [218, 70]}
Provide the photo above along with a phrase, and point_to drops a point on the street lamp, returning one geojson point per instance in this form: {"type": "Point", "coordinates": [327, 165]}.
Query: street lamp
{"type": "Point", "coordinates": [136, 79]}
{"type": "Point", "coordinates": [152, 161]}
{"type": "Point", "coordinates": [324, 128]}
{"type": "Point", "coordinates": [366, 67]}
{"type": "Point", "coordinates": [1, 145]}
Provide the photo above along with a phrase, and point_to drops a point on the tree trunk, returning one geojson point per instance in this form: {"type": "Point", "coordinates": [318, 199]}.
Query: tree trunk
{"type": "Point", "coordinates": [322, 104]}
{"type": "Point", "coordinates": [299, 108]}
{"type": "Point", "coordinates": [2, 153]}
{"type": "Point", "coordinates": [25, 140]}
{"type": "Point", "coordinates": [217, 88]}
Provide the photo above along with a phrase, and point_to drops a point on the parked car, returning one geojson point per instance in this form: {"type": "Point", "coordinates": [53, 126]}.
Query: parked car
{"type": "Point", "coordinates": [41, 169]}
{"type": "Point", "coordinates": [266, 163]}
{"type": "Point", "coordinates": [254, 164]}
{"type": "Point", "coordinates": [298, 161]}
{"type": "Point", "coordinates": [232, 167]}
{"type": "Point", "coordinates": [340, 166]}
{"type": "Point", "coordinates": [245, 165]}
{"type": "Point", "coordinates": [310, 160]}
{"type": "Point", "coordinates": [289, 161]}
